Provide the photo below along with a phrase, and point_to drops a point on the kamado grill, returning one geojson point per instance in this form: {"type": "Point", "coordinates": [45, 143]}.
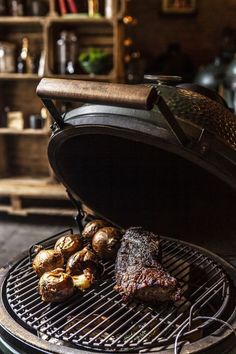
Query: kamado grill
{"type": "Point", "coordinates": [153, 155]}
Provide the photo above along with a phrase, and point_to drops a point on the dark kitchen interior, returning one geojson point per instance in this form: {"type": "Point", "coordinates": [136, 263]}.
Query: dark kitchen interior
{"type": "Point", "coordinates": [117, 176]}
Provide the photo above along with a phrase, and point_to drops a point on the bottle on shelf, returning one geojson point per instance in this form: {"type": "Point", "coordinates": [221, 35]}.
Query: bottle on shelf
{"type": "Point", "coordinates": [93, 8]}
{"type": "Point", "coordinates": [108, 10]}
{"type": "Point", "coordinates": [24, 61]}
{"type": "Point", "coordinates": [37, 8]}
{"type": "Point", "coordinates": [66, 53]}
{"type": "Point", "coordinates": [16, 7]}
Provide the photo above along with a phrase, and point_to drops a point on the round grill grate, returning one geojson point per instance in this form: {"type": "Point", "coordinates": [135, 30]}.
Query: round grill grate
{"type": "Point", "coordinates": [100, 320]}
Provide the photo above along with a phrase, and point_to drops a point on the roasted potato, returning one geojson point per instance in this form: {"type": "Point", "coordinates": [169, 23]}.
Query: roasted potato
{"type": "Point", "coordinates": [83, 281]}
{"type": "Point", "coordinates": [106, 242]}
{"type": "Point", "coordinates": [47, 260]}
{"type": "Point", "coordinates": [92, 227]}
{"type": "Point", "coordinates": [81, 260]}
{"type": "Point", "coordinates": [56, 286]}
{"type": "Point", "coordinates": [68, 245]}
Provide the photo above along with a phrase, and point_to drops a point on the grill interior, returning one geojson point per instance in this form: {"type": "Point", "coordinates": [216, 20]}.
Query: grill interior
{"type": "Point", "coordinates": [100, 320]}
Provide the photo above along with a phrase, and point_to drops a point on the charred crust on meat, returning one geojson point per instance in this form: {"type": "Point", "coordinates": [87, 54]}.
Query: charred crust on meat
{"type": "Point", "coordinates": [139, 272]}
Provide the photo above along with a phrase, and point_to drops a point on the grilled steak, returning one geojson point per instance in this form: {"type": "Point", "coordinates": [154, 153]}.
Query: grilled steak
{"type": "Point", "coordinates": [139, 273]}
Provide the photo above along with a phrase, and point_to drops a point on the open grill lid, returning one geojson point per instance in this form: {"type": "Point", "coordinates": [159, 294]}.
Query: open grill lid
{"type": "Point", "coordinates": [132, 162]}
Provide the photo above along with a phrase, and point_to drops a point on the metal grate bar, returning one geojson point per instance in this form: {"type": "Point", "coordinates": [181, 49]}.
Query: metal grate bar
{"type": "Point", "coordinates": [96, 318]}
{"type": "Point", "coordinates": [187, 274]}
{"type": "Point", "coordinates": [177, 318]}
{"type": "Point", "coordinates": [196, 311]}
{"type": "Point", "coordinates": [19, 283]}
{"type": "Point", "coordinates": [165, 245]}
{"type": "Point", "coordinates": [30, 304]}
{"type": "Point", "coordinates": [72, 305]}
{"type": "Point", "coordinates": [15, 303]}
{"type": "Point", "coordinates": [124, 325]}
{"type": "Point", "coordinates": [20, 269]}
{"type": "Point", "coordinates": [93, 311]}
{"type": "Point", "coordinates": [195, 279]}
{"type": "Point", "coordinates": [206, 295]}
{"type": "Point", "coordinates": [143, 327]}
{"type": "Point", "coordinates": [114, 323]}
{"type": "Point", "coordinates": [164, 320]}
{"type": "Point", "coordinates": [174, 253]}
{"type": "Point", "coordinates": [33, 287]}
{"type": "Point", "coordinates": [39, 305]}
{"type": "Point", "coordinates": [203, 286]}
{"type": "Point", "coordinates": [71, 308]}
{"type": "Point", "coordinates": [26, 271]}
{"type": "Point", "coordinates": [172, 258]}
{"type": "Point", "coordinates": [178, 265]}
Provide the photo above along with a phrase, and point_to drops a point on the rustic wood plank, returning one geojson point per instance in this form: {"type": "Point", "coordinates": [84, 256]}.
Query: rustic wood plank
{"type": "Point", "coordinates": [15, 202]}
{"type": "Point", "coordinates": [33, 188]}
{"type": "Point", "coordinates": [9, 131]}
{"type": "Point", "coordinates": [38, 211]}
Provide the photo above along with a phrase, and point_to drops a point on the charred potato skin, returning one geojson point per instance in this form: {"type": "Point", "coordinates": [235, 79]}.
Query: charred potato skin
{"type": "Point", "coordinates": [47, 260]}
{"type": "Point", "coordinates": [106, 242]}
{"type": "Point", "coordinates": [92, 227]}
{"type": "Point", "coordinates": [55, 286]}
{"type": "Point", "coordinates": [81, 260]}
{"type": "Point", "coordinates": [68, 245]}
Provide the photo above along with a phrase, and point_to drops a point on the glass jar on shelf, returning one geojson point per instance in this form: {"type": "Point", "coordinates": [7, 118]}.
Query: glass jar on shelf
{"type": "Point", "coordinates": [7, 57]}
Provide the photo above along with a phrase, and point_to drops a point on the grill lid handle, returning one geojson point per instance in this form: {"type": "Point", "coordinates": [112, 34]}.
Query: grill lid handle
{"type": "Point", "coordinates": [122, 95]}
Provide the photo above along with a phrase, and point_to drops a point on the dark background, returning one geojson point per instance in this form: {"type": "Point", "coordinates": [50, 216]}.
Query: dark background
{"type": "Point", "coordinates": [199, 34]}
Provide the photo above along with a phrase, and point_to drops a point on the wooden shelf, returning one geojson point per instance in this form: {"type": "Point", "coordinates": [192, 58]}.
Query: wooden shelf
{"type": "Point", "coordinates": [20, 153]}
{"type": "Point", "coordinates": [15, 76]}
{"type": "Point", "coordinates": [70, 18]}
{"type": "Point", "coordinates": [13, 20]}
{"type": "Point", "coordinates": [36, 132]}
{"type": "Point", "coordinates": [38, 211]}
{"type": "Point", "coordinates": [18, 189]}
{"type": "Point", "coordinates": [79, 18]}
{"type": "Point", "coordinates": [39, 188]}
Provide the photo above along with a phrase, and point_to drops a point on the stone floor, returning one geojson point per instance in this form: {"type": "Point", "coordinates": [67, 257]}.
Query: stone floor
{"type": "Point", "coordinates": [18, 233]}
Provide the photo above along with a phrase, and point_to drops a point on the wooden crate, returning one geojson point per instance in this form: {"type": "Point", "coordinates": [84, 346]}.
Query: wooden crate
{"type": "Point", "coordinates": [24, 196]}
